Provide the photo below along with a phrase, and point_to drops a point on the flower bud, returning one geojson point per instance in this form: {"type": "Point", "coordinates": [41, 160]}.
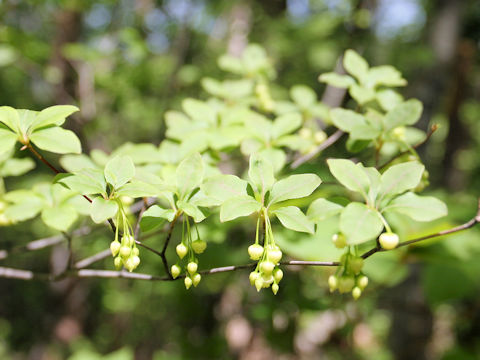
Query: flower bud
{"type": "Point", "coordinates": [255, 251]}
{"type": "Point", "coordinates": [274, 255]}
{"type": "Point", "coordinates": [188, 282]}
{"type": "Point", "coordinates": [339, 240]}
{"type": "Point", "coordinates": [181, 250]}
{"type": "Point", "coordinates": [253, 276]}
{"type": "Point", "coordinates": [305, 133]}
{"type": "Point", "coordinates": [115, 247]}
{"type": "Point", "coordinates": [175, 270]}
{"type": "Point", "coordinates": [192, 267]}
{"type": "Point", "coordinates": [346, 284]}
{"type": "Point", "coordinates": [356, 292]}
{"type": "Point", "coordinates": [259, 283]}
{"type": "Point", "coordinates": [278, 275]}
{"type": "Point", "coordinates": [267, 267]}
{"type": "Point", "coordinates": [135, 251]}
{"type": "Point", "coordinates": [129, 264]}
{"type": "Point", "coordinates": [267, 280]}
{"type": "Point", "coordinates": [362, 282]}
{"type": "Point", "coordinates": [136, 261]}
{"type": "Point", "coordinates": [199, 246]}
{"type": "Point", "coordinates": [118, 262]}
{"type": "Point", "coordinates": [196, 279]}
{"type": "Point", "coordinates": [128, 240]}
{"type": "Point", "coordinates": [125, 251]}
{"type": "Point", "coordinates": [275, 288]}
{"type": "Point", "coordinates": [356, 265]}
{"type": "Point", "coordinates": [320, 137]}
{"type": "Point", "coordinates": [389, 240]}
{"type": "Point", "coordinates": [332, 283]}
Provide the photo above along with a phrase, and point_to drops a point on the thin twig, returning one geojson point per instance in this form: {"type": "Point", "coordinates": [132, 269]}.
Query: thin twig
{"type": "Point", "coordinates": [165, 246]}
{"type": "Point", "coordinates": [332, 139]}
{"type": "Point", "coordinates": [433, 128]}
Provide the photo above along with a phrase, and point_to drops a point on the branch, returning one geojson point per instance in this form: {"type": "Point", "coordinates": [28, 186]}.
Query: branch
{"type": "Point", "coordinates": [167, 240]}
{"type": "Point", "coordinates": [433, 128]}
{"type": "Point", "coordinates": [90, 273]}
{"type": "Point", "coordinates": [332, 139]}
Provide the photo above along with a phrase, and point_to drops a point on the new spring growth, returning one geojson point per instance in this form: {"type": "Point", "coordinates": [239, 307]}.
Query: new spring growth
{"type": "Point", "coordinates": [266, 273]}
{"type": "Point", "coordinates": [349, 277]}
{"type": "Point", "coordinates": [187, 249]}
{"type": "Point", "coordinates": [125, 251]}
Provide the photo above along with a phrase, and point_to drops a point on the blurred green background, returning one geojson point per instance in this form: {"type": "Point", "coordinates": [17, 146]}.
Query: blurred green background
{"type": "Point", "coordinates": [124, 63]}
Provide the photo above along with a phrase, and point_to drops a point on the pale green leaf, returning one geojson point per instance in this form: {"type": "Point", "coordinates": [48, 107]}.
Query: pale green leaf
{"type": "Point", "coordinates": [119, 171]}
{"type": "Point", "coordinates": [260, 173]}
{"type": "Point", "coordinates": [57, 140]}
{"type": "Point", "coordinates": [137, 189]}
{"type": "Point", "coordinates": [349, 175]}
{"type": "Point", "coordinates": [102, 210]}
{"type": "Point", "coordinates": [286, 124]}
{"type": "Point", "coordinates": [199, 110]}
{"type": "Point", "coordinates": [303, 95]}
{"type": "Point", "coordinates": [85, 182]}
{"type": "Point", "coordinates": [294, 219]}
{"type": "Point", "coordinates": [191, 210]}
{"type": "Point", "coordinates": [53, 115]}
{"type": "Point", "coordinates": [406, 113]}
{"type": "Point", "coordinates": [7, 140]}
{"type": "Point", "coordinates": [321, 209]}
{"type": "Point", "coordinates": [355, 64]}
{"type": "Point", "coordinates": [9, 116]}
{"type": "Point", "coordinates": [294, 187]}
{"type": "Point", "coordinates": [420, 208]}
{"type": "Point", "coordinates": [337, 80]}
{"type": "Point", "coordinates": [400, 178]}
{"type": "Point", "coordinates": [16, 167]}
{"type": "Point", "coordinates": [238, 206]}
{"type": "Point", "coordinates": [60, 217]}
{"type": "Point", "coordinates": [223, 187]}
{"type": "Point", "coordinates": [189, 174]}
{"type": "Point", "coordinates": [153, 217]}
{"type": "Point", "coordinates": [360, 223]}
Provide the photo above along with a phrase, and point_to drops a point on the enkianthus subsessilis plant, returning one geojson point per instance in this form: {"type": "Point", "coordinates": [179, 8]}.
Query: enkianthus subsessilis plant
{"type": "Point", "coordinates": [187, 251]}
{"type": "Point", "coordinates": [125, 251]}
{"type": "Point", "coordinates": [348, 276]}
{"type": "Point", "coordinates": [267, 272]}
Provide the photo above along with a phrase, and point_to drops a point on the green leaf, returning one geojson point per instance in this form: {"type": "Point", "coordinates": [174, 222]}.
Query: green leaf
{"type": "Point", "coordinates": [294, 219]}
{"type": "Point", "coordinates": [9, 116]}
{"type": "Point", "coordinates": [260, 173]}
{"type": "Point", "coordinates": [337, 80]}
{"type": "Point", "coordinates": [238, 206]}
{"type": "Point", "coordinates": [137, 189]}
{"type": "Point", "coordinates": [16, 167]}
{"type": "Point", "coordinates": [400, 178]}
{"type": "Point", "coordinates": [223, 187]}
{"type": "Point", "coordinates": [191, 210]}
{"type": "Point", "coordinates": [286, 124]}
{"type": "Point", "coordinates": [361, 94]}
{"type": "Point", "coordinates": [7, 140]}
{"type": "Point", "coordinates": [199, 110]}
{"type": "Point", "coordinates": [407, 113]}
{"type": "Point", "coordinates": [388, 99]}
{"type": "Point", "coordinates": [303, 95]}
{"type": "Point", "coordinates": [119, 171]}
{"type": "Point", "coordinates": [353, 123]}
{"type": "Point", "coordinates": [321, 209]}
{"type": "Point", "coordinates": [420, 208]}
{"type": "Point", "coordinates": [60, 217]}
{"type": "Point", "coordinates": [189, 174]}
{"type": "Point", "coordinates": [102, 210]}
{"type": "Point", "coordinates": [294, 187]}
{"type": "Point", "coordinates": [349, 175]}
{"type": "Point", "coordinates": [151, 217]}
{"type": "Point", "coordinates": [86, 181]}
{"type": "Point", "coordinates": [25, 209]}
{"type": "Point", "coordinates": [74, 163]}
{"type": "Point", "coordinates": [53, 115]}
{"type": "Point", "coordinates": [355, 64]}
{"type": "Point", "coordinates": [56, 140]}
{"type": "Point", "coordinates": [385, 75]}
{"type": "Point", "coordinates": [360, 223]}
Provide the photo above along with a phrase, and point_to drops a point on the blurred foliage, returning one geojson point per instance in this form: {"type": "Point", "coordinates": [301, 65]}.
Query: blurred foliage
{"type": "Point", "coordinates": [124, 64]}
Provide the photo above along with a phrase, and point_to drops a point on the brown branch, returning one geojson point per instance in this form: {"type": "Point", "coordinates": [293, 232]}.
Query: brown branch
{"type": "Point", "coordinates": [332, 139]}
{"type": "Point", "coordinates": [165, 246]}
{"type": "Point", "coordinates": [433, 128]}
